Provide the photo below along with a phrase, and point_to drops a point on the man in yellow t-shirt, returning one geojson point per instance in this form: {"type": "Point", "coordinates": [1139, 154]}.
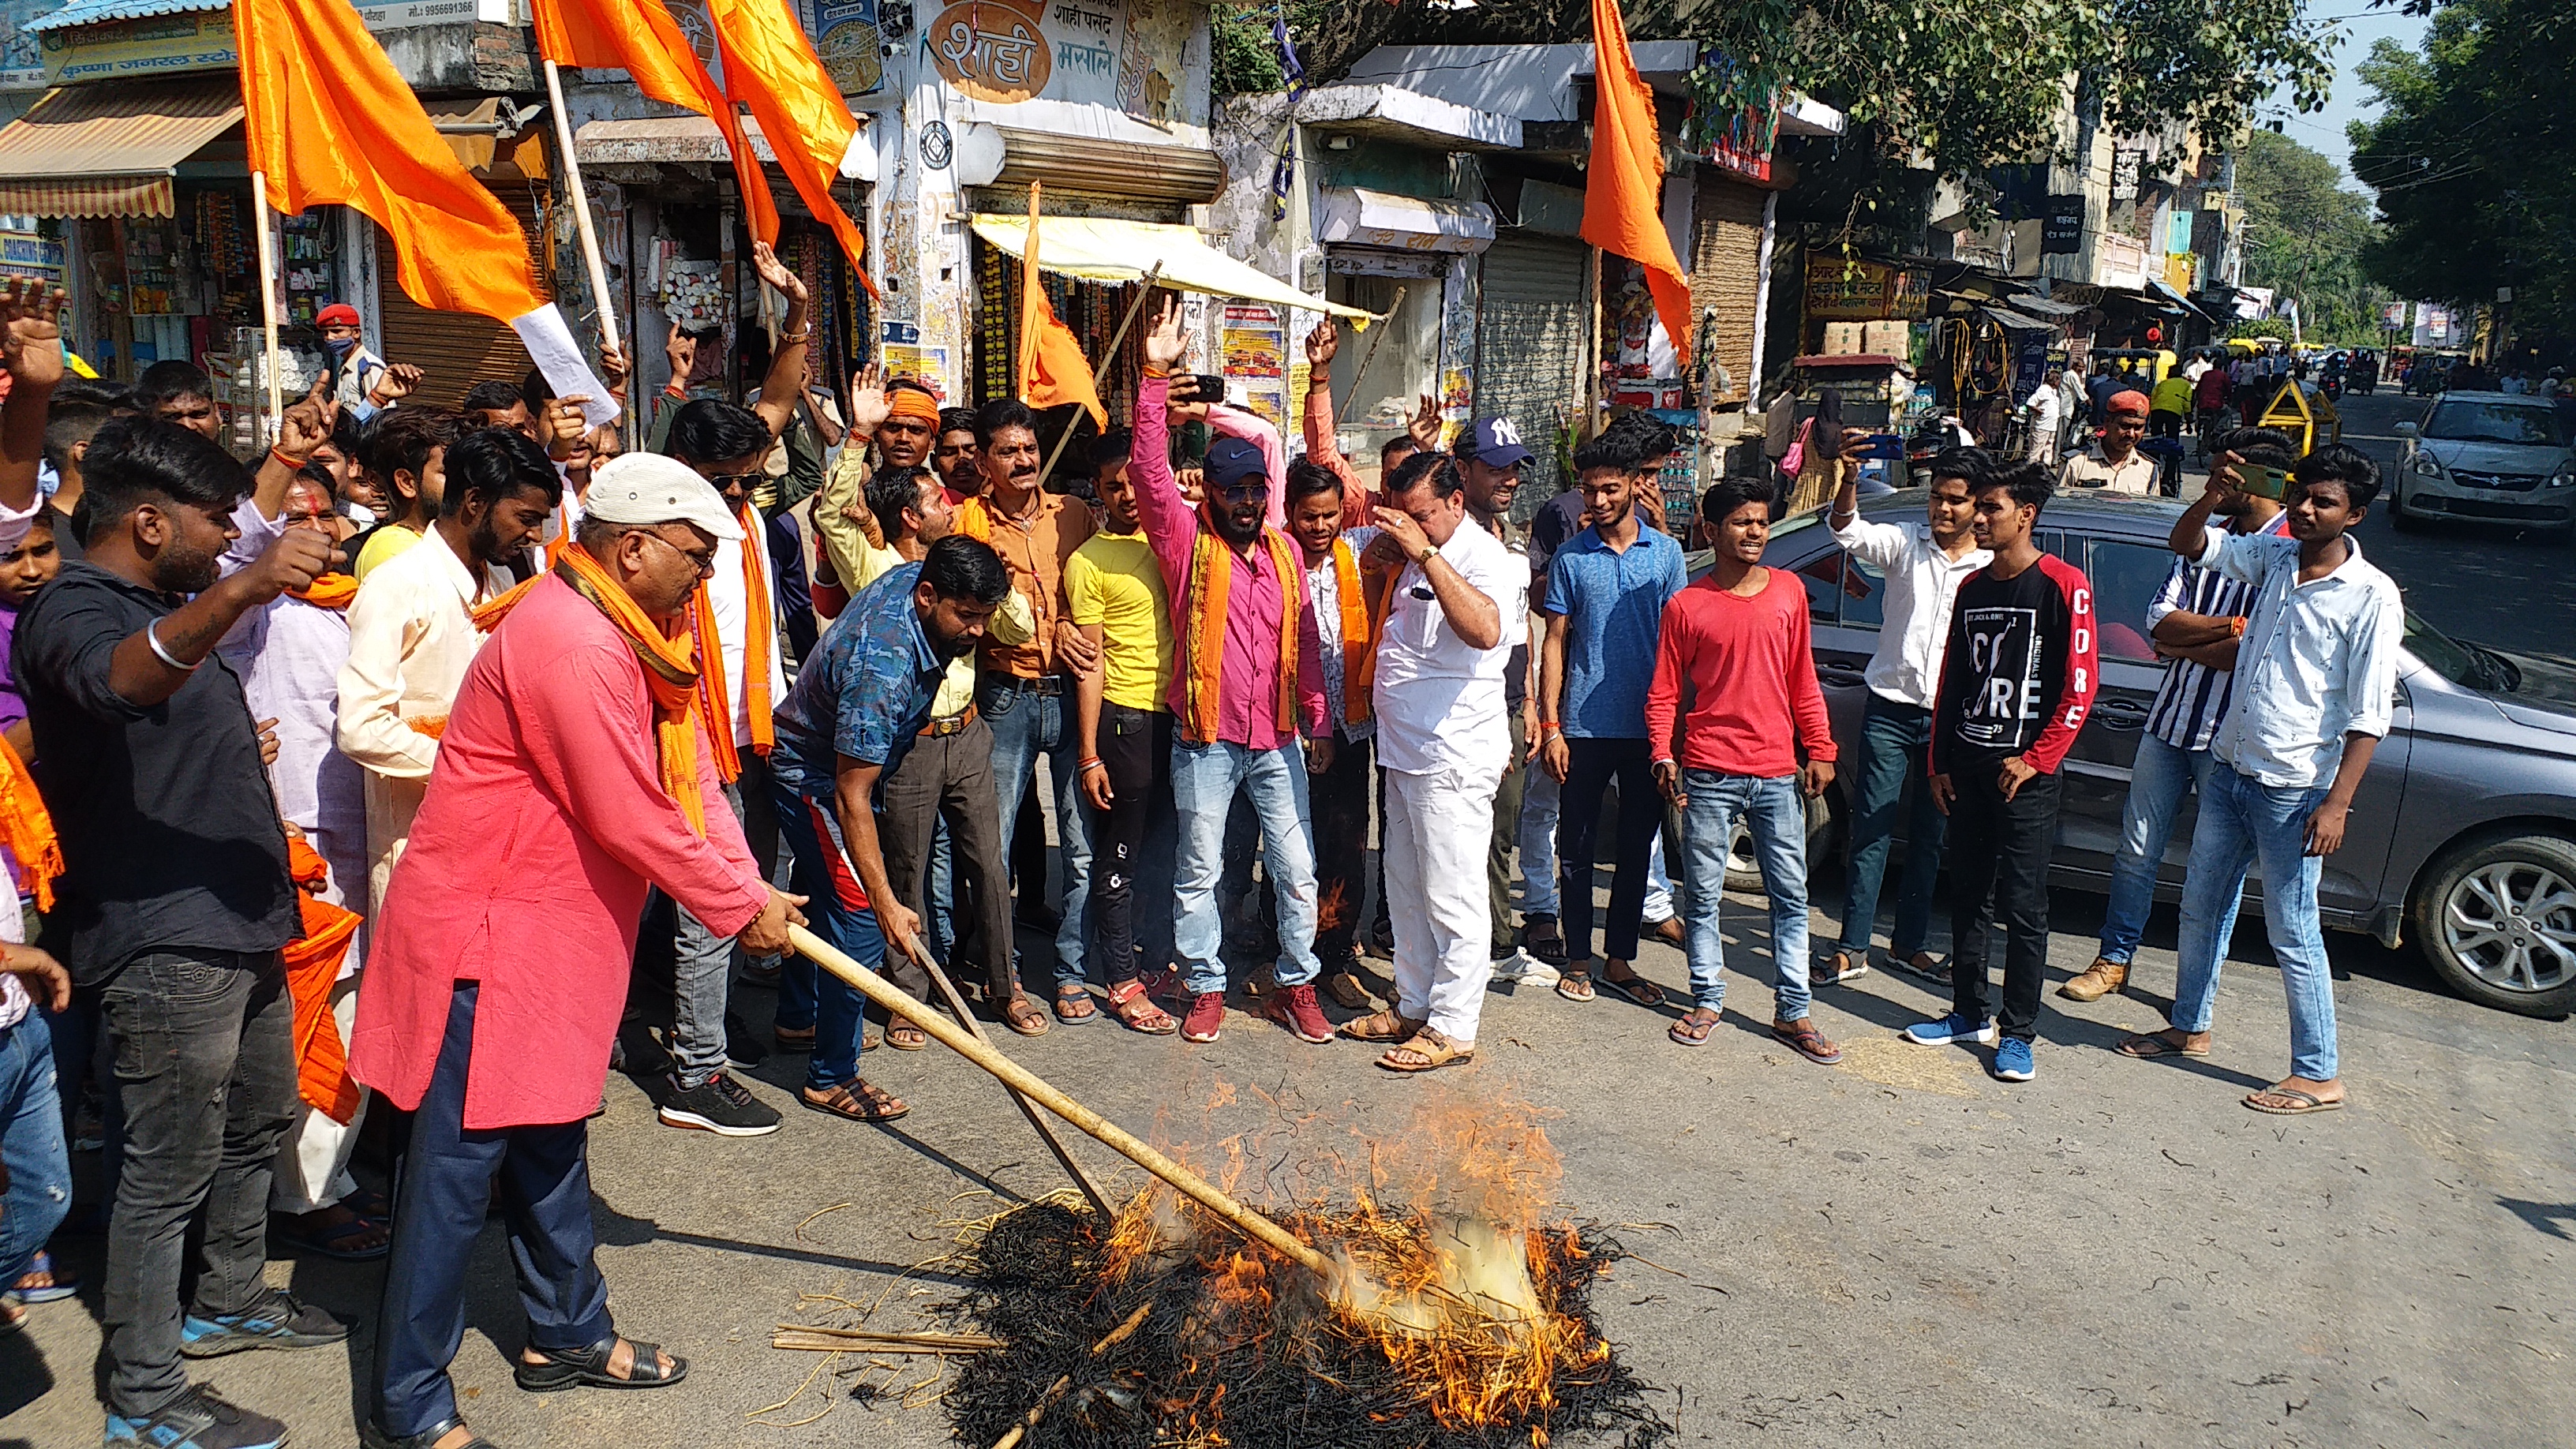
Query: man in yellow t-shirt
{"type": "Point", "coordinates": [406, 454]}
{"type": "Point", "coordinates": [1113, 590]}
{"type": "Point", "coordinates": [2172, 404]}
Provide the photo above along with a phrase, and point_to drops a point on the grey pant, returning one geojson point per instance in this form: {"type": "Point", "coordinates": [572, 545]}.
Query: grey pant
{"type": "Point", "coordinates": [205, 1067]}
{"type": "Point", "coordinates": [702, 961]}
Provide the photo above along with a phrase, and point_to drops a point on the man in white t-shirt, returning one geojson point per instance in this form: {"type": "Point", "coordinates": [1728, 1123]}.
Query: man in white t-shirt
{"type": "Point", "coordinates": [1443, 743]}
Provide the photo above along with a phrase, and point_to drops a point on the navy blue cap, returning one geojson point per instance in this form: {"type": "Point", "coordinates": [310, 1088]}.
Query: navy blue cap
{"type": "Point", "coordinates": [1496, 443]}
{"type": "Point", "coordinates": [1231, 460]}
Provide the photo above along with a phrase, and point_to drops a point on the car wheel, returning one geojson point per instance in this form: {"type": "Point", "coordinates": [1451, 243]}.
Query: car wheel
{"type": "Point", "coordinates": [1744, 872]}
{"type": "Point", "coordinates": [2497, 920]}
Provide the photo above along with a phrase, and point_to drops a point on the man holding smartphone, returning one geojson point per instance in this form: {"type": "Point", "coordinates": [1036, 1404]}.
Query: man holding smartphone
{"type": "Point", "coordinates": [2197, 619]}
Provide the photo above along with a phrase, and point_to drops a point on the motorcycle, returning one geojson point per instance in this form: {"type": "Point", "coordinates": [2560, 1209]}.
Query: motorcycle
{"type": "Point", "coordinates": [2332, 387]}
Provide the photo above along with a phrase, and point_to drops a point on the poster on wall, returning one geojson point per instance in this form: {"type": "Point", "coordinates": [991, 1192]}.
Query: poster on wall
{"type": "Point", "coordinates": [1256, 355]}
{"type": "Point", "coordinates": [905, 356]}
{"type": "Point", "coordinates": [1129, 55]}
{"type": "Point", "coordinates": [846, 37]}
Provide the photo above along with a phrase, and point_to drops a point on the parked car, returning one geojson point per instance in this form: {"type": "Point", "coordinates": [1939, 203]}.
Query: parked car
{"type": "Point", "coordinates": [2486, 455]}
{"type": "Point", "coordinates": [2462, 837]}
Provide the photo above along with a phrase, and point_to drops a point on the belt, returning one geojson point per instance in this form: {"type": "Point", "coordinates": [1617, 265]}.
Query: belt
{"type": "Point", "coordinates": [1044, 684]}
{"type": "Point", "coordinates": [955, 724]}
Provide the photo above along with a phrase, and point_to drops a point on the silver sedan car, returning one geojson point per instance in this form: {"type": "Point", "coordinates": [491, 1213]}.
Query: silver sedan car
{"type": "Point", "coordinates": [2462, 838]}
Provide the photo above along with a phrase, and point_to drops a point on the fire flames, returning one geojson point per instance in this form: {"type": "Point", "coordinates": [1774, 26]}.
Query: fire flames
{"type": "Point", "coordinates": [1457, 1313]}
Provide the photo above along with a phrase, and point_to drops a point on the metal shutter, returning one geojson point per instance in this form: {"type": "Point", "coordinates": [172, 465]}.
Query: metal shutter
{"type": "Point", "coordinates": [1726, 270]}
{"type": "Point", "coordinates": [1529, 347]}
{"type": "Point", "coordinates": [455, 350]}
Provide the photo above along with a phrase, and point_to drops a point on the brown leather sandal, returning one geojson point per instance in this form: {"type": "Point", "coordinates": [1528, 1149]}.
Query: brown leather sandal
{"type": "Point", "coordinates": [1384, 1026]}
{"type": "Point", "coordinates": [903, 1036]}
{"type": "Point", "coordinates": [855, 1100]}
{"type": "Point", "coordinates": [1428, 1051]}
{"type": "Point", "coordinates": [1134, 1007]}
{"type": "Point", "coordinates": [1022, 1015]}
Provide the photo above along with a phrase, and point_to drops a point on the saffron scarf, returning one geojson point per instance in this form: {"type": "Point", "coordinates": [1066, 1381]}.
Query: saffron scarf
{"type": "Point", "coordinates": [322, 1077]}
{"type": "Point", "coordinates": [670, 671]}
{"type": "Point", "coordinates": [330, 591]}
{"type": "Point", "coordinates": [760, 628]}
{"type": "Point", "coordinates": [1202, 638]}
{"type": "Point", "coordinates": [1362, 616]}
{"type": "Point", "coordinates": [27, 829]}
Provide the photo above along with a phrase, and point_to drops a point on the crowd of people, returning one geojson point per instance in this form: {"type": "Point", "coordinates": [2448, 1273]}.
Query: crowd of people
{"type": "Point", "coordinates": [435, 755]}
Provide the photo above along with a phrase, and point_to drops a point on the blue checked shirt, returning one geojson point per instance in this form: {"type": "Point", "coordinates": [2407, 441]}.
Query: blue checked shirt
{"type": "Point", "coordinates": [867, 689]}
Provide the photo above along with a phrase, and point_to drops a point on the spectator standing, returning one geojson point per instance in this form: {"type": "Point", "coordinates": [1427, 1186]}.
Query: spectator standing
{"type": "Point", "coordinates": [576, 739]}
{"type": "Point", "coordinates": [1443, 744]}
{"type": "Point", "coordinates": [1606, 591]}
{"type": "Point", "coordinates": [2209, 402]}
{"type": "Point", "coordinates": [2316, 684]}
{"type": "Point", "coordinates": [2196, 620]}
{"type": "Point", "coordinates": [2047, 418]}
{"type": "Point", "coordinates": [1735, 668]}
{"type": "Point", "coordinates": [2017, 678]}
{"type": "Point", "coordinates": [175, 902]}
{"type": "Point", "coordinates": [1347, 606]}
{"type": "Point", "coordinates": [357, 379]}
{"type": "Point", "coordinates": [406, 456]}
{"type": "Point", "coordinates": [1245, 691]}
{"type": "Point", "coordinates": [1924, 564]}
{"type": "Point", "coordinates": [2114, 461]}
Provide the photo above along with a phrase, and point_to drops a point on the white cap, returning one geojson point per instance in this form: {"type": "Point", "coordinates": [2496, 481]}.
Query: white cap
{"type": "Point", "coordinates": [649, 489]}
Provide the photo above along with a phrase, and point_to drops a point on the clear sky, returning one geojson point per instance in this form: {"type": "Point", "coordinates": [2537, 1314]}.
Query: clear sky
{"type": "Point", "coordinates": [2360, 23]}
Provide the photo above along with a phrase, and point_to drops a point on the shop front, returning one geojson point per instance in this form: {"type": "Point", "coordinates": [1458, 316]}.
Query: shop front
{"type": "Point", "coordinates": [1413, 263]}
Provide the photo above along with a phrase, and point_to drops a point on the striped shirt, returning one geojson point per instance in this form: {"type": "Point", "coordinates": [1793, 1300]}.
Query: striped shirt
{"type": "Point", "coordinates": [2193, 698]}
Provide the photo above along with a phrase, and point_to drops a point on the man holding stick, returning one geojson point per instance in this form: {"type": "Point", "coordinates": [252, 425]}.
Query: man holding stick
{"type": "Point", "coordinates": [575, 747]}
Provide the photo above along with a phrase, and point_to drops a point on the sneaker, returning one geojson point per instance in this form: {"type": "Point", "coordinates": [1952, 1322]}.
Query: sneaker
{"type": "Point", "coordinates": [276, 1320]}
{"type": "Point", "coordinates": [1541, 938]}
{"type": "Point", "coordinates": [1295, 1008]}
{"type": "Point", "coordinates": [2012, 1061]}
{"type": "Point", "coordinates": [1953, 1027]}
{"type": "Point", "coordinates": [1207, 1014]}
{"type": "Point", "coordinates": [196, 1420]}
{"type": "Point", "coordinates": [1521, 966]}
{"type": "Point", "coordinates": [720, 1105]}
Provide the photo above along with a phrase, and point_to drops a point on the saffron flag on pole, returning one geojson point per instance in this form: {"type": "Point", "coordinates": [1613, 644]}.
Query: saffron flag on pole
{"type": "Point", "coordinates": [328, 122]}
{"type": "Point", "coordinates": [1053, 371]}
{"type": "Point", "coordinates": [1623, 186]}
{"type": "Point", "coordinates": [770, 66]}
{"type": "Point", "coordinates": [640, 38]}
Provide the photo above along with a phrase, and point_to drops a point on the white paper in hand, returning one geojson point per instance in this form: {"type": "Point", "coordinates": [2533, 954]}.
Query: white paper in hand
{"type": "Point", "coordinates": [550, 345]}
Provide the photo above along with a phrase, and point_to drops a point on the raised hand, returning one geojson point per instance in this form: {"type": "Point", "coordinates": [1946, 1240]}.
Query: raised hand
{"type": "Point", "coordinates": [868, 405]}
{"type": "Point", "coordinates": [782, 281]}
{"type": "Point", "coordinates": [293, 562]}
{"type": "Point", "coordinates": [307, 425]}
{"type": "Point", "coordinates": [1426, 426]}
{"type": "Point", "coordinates": [1321, 346]}
{"type": "Point", "coordinates": [682, 349]}
{"type": "Point", "coordinates": [31, 348]}
{"type": "Point", "coordinates": [565, 426]}
{"type": "Point", "coordinates": [1163, 341]}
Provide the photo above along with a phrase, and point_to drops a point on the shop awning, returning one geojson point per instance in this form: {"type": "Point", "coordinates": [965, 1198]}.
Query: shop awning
{"type": "Point", "coordinates": [2166, 290]}
{"type": "Point", "coordinates": [1099, 250]}
{"type": "Point", "coordinates": [1356, 216]}
{"type": "Point", "coordinates": [110, 150]}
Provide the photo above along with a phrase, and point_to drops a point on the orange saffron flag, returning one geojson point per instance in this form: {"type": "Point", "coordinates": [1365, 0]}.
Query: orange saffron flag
{"type": "Point", "coordinates": [1623, 187]}
{"type": "Point", "coordinates": [330, 122]}
{"type": "Point", "coordinates": [640, 38]}
{"type": "Point", "coordinates": [1053, 370]}
{"type": "Point", "coordinates": [770, 66]}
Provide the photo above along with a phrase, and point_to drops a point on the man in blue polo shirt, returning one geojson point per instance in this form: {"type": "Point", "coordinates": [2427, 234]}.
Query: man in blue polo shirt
{"type": "Point", "coordinates": [1606, 591]}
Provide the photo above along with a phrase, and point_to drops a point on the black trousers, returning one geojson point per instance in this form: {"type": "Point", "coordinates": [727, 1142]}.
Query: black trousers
{"type": "Point", "coordinates": [1591, 767]}
{"type": "Point", "coordinates": [1999, 855]}
{"type": "Point", "coordinates": [1136, 749]}
{"type": "Point", "coordinates": [1337, 802]}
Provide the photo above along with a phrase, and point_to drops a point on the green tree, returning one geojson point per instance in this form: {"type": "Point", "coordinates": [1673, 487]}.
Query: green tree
{"type": "Point", "coordinates": [2305, 236]}
{"type": "Point", "coordinates": [2469, 157]}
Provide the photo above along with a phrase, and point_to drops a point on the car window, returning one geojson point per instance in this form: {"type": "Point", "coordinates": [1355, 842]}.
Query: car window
{"type": "Point", "coordinates": [2125, 579]}
{"type": "Point", "coordinates": [2495, 422]}
{"type": "Point", "coordinates": [1841, 589]}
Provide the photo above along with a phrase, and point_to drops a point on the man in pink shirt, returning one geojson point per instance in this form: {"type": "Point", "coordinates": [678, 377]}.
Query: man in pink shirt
{"type": "Point", "coordinates": [573, 774]}
{"type": "Point", "coordinates": [1245, 686]}
{"type": "Point", "coordinates": [1733, 663]}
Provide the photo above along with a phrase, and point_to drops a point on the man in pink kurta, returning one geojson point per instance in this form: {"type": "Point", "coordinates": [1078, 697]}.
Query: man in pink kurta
{"type": "Point", "coordinates": [499, 962]}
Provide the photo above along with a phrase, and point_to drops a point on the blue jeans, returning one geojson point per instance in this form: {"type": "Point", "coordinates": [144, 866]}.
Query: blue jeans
{"type": "Point", "coordinates": [1026, 725]}
{"type": "Point", "coordinates": [1779, 822]}
{"type": "Point", "coordinates": [1204, 781]}
{"type": "Point", "coordinates": [2245, 822]}
{"type": "Point", "coordinates": [1893, 741]}
{"type": "Point", "coordinates": [1539, 806]}
{"type": "Point", "coordinates": [2162, 775]}
{"type": "Point", "coordinates": [839, 911]}
{"type": "Point", "coordinates": [31, 1145]}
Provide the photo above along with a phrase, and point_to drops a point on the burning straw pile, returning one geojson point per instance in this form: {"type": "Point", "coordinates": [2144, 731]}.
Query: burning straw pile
{"type": "Point", "coordinates": [1441, 1327]}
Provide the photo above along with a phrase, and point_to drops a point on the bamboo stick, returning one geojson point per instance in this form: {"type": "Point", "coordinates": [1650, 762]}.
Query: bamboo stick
{"type": "Point", "coordinates": [983, 1054]}
{"type": "Point", "coordinates": [1342, 409]}
{"type": "Point", "coordinates": [1063, 1382]}
{"type": "Point", "coordinates": [1115, 342]}
{"type": "Point", "coordinates": [268, 280]}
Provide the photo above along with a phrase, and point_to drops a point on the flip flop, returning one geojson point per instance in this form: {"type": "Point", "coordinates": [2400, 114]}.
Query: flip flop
{"type": "Point", "coordinates": [1637, 989]}
{"type": "Point", "coordinates": [2308, 1102]}
{"type": "Point", "coordinates": [1682, 1030]}
{"type": "Point", "coordinates": [1576, 986]}
{"type": "Point", "coordinates": [65, 1285]}
{"type": "Point", "coordinates": [2153, 1046]}
{"type": "Point", "coordinates": [328, 1242]}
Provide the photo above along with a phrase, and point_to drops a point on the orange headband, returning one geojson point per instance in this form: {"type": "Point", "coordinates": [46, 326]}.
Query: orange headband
{"type": "Point", "coordinates": [904, 402]}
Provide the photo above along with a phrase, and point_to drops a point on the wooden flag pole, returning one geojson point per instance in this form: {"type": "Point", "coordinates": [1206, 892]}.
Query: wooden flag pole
{"type": "Point", "coordinates": [1116, 341]}
{"type": "Point", "coordinates": [268, 304]}
{"type": "Point", "coordinates": [592, 261]}
{"type": "Point", "coordinates": [1027, 352]}
{"type": "Point", "coordinates": [1342, 409]}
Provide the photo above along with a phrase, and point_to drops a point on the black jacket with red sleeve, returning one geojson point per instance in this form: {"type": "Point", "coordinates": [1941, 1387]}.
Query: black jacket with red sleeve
{"type": "Point", "coordinates": [2017, 675]}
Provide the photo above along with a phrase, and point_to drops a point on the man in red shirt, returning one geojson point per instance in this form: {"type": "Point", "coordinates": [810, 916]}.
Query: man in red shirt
{"type": "Point", "coordinates": [1732, 660]}
{"type": "Point", "coordinates": [2017, 679]}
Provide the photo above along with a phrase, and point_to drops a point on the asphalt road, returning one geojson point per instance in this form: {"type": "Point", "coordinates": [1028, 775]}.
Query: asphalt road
{"type": "Point", "coordinates": [1895, 1251]}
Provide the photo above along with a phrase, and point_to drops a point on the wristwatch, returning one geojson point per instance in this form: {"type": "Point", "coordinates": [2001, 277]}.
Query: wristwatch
{"type": "Point", "coordinates": [1429, 552]}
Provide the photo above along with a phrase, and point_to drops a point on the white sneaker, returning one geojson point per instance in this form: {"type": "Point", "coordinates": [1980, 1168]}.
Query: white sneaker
{"type": "Point", "coordinates": [1521, 966]}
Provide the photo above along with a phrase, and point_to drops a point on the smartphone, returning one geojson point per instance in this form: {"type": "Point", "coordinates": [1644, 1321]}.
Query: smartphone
{"type": "Point", "coordinates": [2272, 483]}
{"type": "Point", "coordinates": [1211, 388]}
